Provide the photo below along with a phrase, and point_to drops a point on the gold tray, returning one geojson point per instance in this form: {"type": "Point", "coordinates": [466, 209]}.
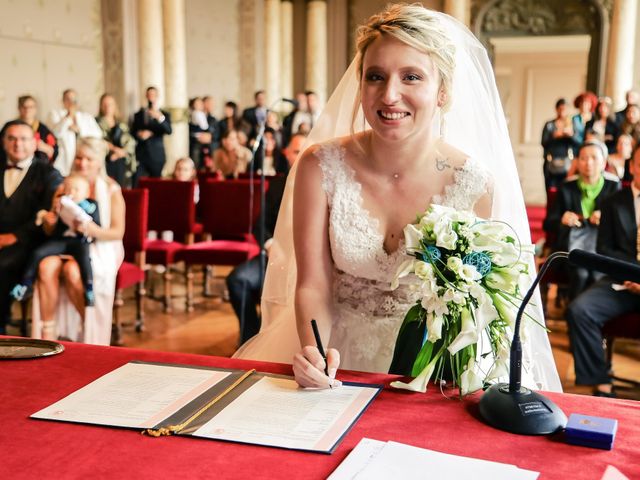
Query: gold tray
{"type": "Point", "coordinates": [15, 348]}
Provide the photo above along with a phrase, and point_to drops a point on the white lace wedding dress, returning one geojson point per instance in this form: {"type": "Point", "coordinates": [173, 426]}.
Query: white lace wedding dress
{"type": "Point", "coordinates": [367, 314]}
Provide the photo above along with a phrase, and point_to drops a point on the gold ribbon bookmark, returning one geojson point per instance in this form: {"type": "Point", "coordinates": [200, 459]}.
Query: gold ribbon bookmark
{"type": "Point", "coordinates": [174, 429]}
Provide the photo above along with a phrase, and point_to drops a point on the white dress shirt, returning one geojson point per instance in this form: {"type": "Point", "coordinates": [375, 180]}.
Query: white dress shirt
{"type": "Point", "coordinates": [14, 176]}
{"type": "Point", "coordinates": [60, 125]}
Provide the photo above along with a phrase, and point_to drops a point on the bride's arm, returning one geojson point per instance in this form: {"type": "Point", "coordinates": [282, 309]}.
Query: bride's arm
{"type": "Point", "coordinates": [314, 265]}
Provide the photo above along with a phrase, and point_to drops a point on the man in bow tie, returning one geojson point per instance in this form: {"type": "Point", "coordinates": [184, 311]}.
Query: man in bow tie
{"type": "Point", "coordinates": [27, 186]}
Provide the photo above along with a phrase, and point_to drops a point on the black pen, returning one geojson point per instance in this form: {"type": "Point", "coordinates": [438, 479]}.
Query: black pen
{"type": "Point", "coordinates": [316, 333]}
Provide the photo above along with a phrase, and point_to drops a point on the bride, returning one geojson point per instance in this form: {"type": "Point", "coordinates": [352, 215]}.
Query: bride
{"type": "Point", "coordinates": [380, 156]}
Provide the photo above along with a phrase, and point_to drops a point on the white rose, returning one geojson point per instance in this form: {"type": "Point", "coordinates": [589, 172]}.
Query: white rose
{"type": "Point", "coordinates": [454, 264]}
{"type": "Point", "coordinates": [423, 270]}
{"type": "Point", "coordinates": [469, 273]}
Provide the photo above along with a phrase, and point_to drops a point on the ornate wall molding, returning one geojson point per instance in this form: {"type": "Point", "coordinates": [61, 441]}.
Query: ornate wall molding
{"type": "Point", "coordinates": [491, 18]}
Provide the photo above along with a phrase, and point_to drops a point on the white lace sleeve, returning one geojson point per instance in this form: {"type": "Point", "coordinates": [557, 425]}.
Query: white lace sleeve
{"type": "Point", "coordinates": [471, 182]}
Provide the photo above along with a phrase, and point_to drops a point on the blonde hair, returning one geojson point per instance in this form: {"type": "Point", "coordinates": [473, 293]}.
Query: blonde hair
{"type": "Point", "coordinates": [98, 147]}
{"type": "Point", "coordinates": [415, 26]}
{"type": "Point", "coordinates": [187, 160]}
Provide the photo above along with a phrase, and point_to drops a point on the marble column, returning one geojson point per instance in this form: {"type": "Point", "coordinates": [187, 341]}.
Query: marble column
{"type": "Point", "coordinates": [619, 76]}
{"type": "Point", "coordinates": [272, 50]}
{"type": "Point", "coordinates": [286, 48]}
{"type": "Point", "coordinates": [150, 44]}
{"type": "Point", "coordinates": [316, 55]}
{"type": "Point", "coordinates": [176, 101]}
{"type": "Point", "coordinates": [459, 9]}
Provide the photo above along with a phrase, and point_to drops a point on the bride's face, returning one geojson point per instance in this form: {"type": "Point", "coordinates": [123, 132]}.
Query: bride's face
{"type": "Point", "coordinates": [399, 89]}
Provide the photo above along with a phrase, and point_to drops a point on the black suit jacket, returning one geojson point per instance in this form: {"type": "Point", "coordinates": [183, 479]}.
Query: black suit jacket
{"type": "Point", "coordinates": [18, 212]}
{"type": "Point", "coordinates": [618, 229]}
{"type": "Point", "coordinates": [251, 120]}
{"type": "Point", "coordinates": [568, 199]}
{"type": "Point", "coordinates": [151, 150]}
{"type": "Point", "coordinates": [273, 199]}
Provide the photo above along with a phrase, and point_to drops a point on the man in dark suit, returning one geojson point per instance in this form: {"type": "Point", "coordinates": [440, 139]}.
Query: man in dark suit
{"type": "Point", "coordinates": [214, 127]}
{"type": "Point", "coordinates": [150, 125]}
{"type": "Point", "coordinates": [27, 186]}
{"type": "Point", "coordinates": [618, 238]}
{"type": "Point", "coordinates": [255, 116]}
{"type": "Point", "coordinates": [575, 215]}
{"type": "Point", "coordinates": [244, 282]}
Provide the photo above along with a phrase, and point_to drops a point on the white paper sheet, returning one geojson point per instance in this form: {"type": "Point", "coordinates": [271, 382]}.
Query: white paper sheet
{"type": "Point", "coordinates": [397, 460]}
{"type": "Point", "coordinates": [135, 395]}
{"type": "Point", "coordinates": [277, 412]}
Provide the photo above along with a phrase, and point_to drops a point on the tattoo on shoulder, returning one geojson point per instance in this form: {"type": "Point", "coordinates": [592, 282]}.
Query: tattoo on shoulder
{"type": "Point", "coordinates": [443, 163]}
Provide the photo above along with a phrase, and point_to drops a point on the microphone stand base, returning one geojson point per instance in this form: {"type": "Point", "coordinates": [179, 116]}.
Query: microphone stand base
{"type": "Point", "coordinates": [524, 412]}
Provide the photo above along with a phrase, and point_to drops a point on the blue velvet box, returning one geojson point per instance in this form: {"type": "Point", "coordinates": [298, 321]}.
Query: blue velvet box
{"type": "Point", "coordinates": [588, 431]}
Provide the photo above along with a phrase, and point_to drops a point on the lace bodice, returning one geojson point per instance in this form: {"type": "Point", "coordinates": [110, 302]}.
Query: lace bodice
{"type": "Point", "coordinates": [368, 313]}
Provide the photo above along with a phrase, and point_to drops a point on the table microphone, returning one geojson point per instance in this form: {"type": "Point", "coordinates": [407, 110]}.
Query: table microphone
{"type": "Point", "coordinates": [517, 409]}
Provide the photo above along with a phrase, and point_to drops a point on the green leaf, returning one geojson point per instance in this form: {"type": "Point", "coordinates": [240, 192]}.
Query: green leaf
{"type": "Point", "coordinates": [414, 314]}
{"type": "Point", "coordinates": [422, 359]}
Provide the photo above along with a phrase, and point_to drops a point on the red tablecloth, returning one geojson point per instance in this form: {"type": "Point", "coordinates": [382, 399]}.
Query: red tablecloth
{"type": "Point", "coordinates": [38, 449]}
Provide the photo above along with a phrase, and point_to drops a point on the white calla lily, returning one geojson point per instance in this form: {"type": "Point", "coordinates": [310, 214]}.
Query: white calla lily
{"type": "Point", "coordinates": [404, 269]}
{"type": "Point", "coordinates": [418, 384]}
{"type": "Point", "coordinates": [434, 327]}
{"type": "Point", "coordinates": [468, 333]}
{"type": "Point", "coordinates": [412, 238]}
{"type": "Point", "coordinates": [470, 381]}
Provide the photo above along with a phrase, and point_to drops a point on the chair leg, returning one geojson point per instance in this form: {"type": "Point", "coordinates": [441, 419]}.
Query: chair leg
{"type": "Point", "coordinates": [116, 330]}
{"type": "Point", "coordinates": [167, 290]}
{"type": "Point", "coordinates": [140, 294]}
{"type": "Point", "coordinates": [189, 277]}
{"type": "Point", "coordinates": [207, 273]}
{"type": "Point", "coordinates": [24, 320]}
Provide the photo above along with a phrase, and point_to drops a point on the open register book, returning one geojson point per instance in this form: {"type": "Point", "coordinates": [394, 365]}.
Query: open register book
{"type": "Point", "coordinates": [232, 405]}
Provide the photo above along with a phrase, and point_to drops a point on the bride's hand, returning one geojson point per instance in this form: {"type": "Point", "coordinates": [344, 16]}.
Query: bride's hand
{"type": "Point", "coordinates": [308, 368]}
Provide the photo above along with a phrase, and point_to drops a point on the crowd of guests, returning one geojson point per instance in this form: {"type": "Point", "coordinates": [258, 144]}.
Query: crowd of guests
{"type": "Point", "coordinates": [592, 178]}
{"type": "Point", "coordinates": [62, 212]}
{"type": "Point", "coordinates": [135, 148]}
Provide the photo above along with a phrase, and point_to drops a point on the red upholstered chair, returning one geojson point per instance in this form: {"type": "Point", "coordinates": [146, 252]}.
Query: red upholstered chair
{"type": "Point", "coordinates": [171, 207]}
{"type": "Point", "coordinates": [228, 216]}
{"type": "Point", "coordinates": [624, 326]}
{"type": "Point", "coordinates": [131, 271]}
{"type": "Point", "coordinates": [556, 273]}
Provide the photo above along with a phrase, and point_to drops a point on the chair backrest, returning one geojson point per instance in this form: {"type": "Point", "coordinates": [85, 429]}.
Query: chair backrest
{"type": "Point", "coordinates": [136, 221]}
{"type": "Point", "coordinates": [171, 206]}
{"type": "Point", "coordinates": [230, 208]}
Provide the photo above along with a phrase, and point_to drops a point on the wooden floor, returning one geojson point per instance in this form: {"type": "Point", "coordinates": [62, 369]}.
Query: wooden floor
{"type": "Point", "coordinates": [212, 329]}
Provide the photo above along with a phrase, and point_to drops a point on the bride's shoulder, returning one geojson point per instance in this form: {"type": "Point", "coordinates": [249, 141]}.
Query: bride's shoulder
{"type": "Point", "coordinates": [461, 161]}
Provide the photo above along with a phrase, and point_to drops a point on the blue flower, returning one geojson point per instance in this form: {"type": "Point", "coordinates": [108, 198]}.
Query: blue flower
{"type": "Point", "coordinates": [432, 254]}
{"type": "Point", "coordinates": [480, 260]}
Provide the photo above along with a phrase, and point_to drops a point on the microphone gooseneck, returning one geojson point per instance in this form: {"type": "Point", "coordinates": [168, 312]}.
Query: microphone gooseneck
{"type": "Point", "coordinates": [617, 269]}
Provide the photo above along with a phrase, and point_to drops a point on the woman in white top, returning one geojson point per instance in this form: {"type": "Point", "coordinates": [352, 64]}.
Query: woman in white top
{"type": "Point", "coordinates": [58, 301]}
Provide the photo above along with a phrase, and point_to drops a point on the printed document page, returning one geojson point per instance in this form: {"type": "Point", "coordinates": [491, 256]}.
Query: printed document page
{"type": "Point", "coordinates": [375, 460]}
{"type": "Point", "coordinates": [276, 412]}
{"type": "Point", "coordinates": [135, 395]}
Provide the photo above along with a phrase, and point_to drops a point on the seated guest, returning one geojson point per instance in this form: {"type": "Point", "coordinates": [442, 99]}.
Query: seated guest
{"type": "Point", "coordinates": [231, 158]}
{"type": "Point", "coordinates": [121, 157]}
{"type": "Point", "coordinates": [244, 282]}
{"type": "Point", "coordinates": [46, 144]}
{"type": "Point", "coordinates": [58, 299]}
{"type": "Point", "coordinates": [587, 314]}
{"type": "Point", "coordinates": [27, 186]}
{"type": "Point", "coordinates": [631, 123]}
{"type": "Point", "coordinates": [618, 162]}
{"type": "Point", "coordinates": [272, 159]}
{"type": "Point", "coordinates": [575, 215]}
{"type": "Point", "coordinates": [64, 238]}
{"type": "Point", "coordinates": [230, 119]}
{"type": "Point", "coordinates": [185, 171]}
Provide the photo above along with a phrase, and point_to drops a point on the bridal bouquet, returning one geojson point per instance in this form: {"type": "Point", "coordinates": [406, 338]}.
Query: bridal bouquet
{"type": "Point", "coordinates": [468, 273]}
